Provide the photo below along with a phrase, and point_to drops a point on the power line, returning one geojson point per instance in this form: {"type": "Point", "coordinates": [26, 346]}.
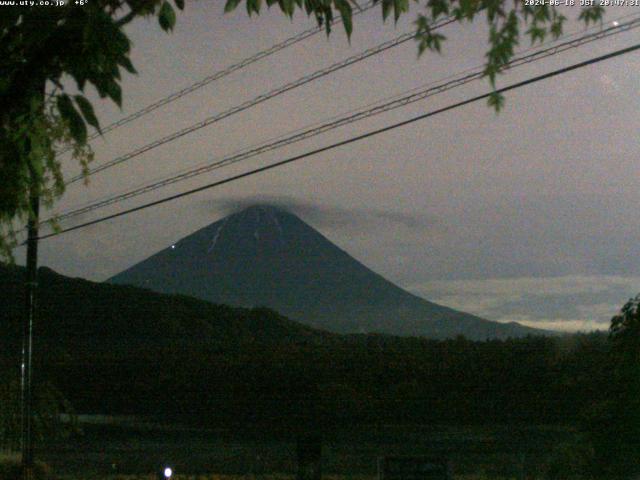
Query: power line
{"type": "Point", "coordinates": [309, 132]}
{"type": "Point", "coordinates": [261, 98]}
{"type": "Point", "coordinates": [218, 75]}
{"type": "Point", "coordinates": [350, 140]}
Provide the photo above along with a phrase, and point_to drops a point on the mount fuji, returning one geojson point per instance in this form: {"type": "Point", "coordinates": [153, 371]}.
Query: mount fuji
{"type": "Point", "coordinates": [266, 256]}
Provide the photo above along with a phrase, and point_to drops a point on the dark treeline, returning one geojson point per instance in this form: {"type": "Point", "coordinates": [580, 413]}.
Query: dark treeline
{"type": "Point", "coordinates": [362, 380]}
{"type": "Point", "coordinates": [123, 350]}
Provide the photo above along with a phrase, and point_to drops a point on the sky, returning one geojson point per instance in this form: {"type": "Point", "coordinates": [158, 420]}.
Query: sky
{"type": "Point", "coordinates": [528, 216]}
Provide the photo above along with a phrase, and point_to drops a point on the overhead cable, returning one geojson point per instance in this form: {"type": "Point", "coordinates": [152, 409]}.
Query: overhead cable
{"type": "Point", "coordinates": [259, 99]}
{"type": "Point", "coordinates": [351, 140]}
{"type": "Point", "coordinates": [218, 75]}
{"type": "Point", "coordinates": [402, 101]}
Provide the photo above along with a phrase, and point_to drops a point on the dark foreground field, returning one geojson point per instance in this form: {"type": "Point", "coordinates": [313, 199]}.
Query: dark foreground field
{"type": "Point", "coordinates": [474, 452]}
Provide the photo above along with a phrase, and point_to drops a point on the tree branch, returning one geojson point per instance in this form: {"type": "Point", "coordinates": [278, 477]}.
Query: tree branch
{"type": "Point", "coordinates": [127, 18]}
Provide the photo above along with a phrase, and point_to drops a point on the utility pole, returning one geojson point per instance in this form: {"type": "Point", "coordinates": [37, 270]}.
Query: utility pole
{"type": "Point", "coordinates": [31, 285]}
{"type": "Point", "coordinates": [31, 291]}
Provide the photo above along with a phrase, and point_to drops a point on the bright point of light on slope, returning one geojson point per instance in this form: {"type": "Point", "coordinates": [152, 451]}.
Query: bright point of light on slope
{"type": "Point", "coordinates": [168, 472]}
{"type": "Point", "coordinates": [173, 247]}
{"type": "Point", "coordinates": [615, 24]}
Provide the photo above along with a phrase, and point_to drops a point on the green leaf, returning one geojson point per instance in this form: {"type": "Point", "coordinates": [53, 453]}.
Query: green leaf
{"type": "Point", "coordinates": [72, 117]}
{"type": "Point", "coordinates": [231, 5]}
{"type": "Point", "coordinates": [387, 5]}
{"type": "Point", "coordinates": [491, 71]}
{"type": "Point", "coordinates": [167, 16]}
{"type": "Point", "coordinates": [87, 112]}
{"type": "Point", "coordinates": [556, 28]}
{"type": "Point", "coordinates": [436, 40]}
{"type": "Point", "coordinates": [438, 7]}
{"type": "Point", "coordinates": [346, 13]}
{"type": "Point", "coordinates": [113, 90]}
{"type": "Point", "coordinates": [468, 9]}
{"type": "Point", "coordinates": [126, 63]}
{"type": "Point", "coordinates": [308, 7]}
{"type": "Point", "coordinates": [496, 101]}
{"type": "Point", "coordinates": [399, 7]}
{"type": "Point", "coordinates": [536, 32]}
{"type": "Point", "coordinates": [328, 18]}
{"type": "Point", "coordinates": [290, 7]}
{"type": "Point", "coordinates": [253, 6]}
{"type": "Point", "coordinates": [36, 165]}
{"type": "Point", "coordinates": [179, 4]}
{"type": "Point", "coordinates": [426, 37]}
{"type": "Point", "coordinates": [591, 14]}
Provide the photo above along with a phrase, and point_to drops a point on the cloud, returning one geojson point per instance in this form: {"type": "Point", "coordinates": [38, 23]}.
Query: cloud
{"type": "Point", "coordinates": [564, 324]}
{"type": "Point", "coordinates": [567, 284]}
{"type": "Point", "coordinates": [328, 217]}
{"type": "Point", "coordinates": [567, 303]}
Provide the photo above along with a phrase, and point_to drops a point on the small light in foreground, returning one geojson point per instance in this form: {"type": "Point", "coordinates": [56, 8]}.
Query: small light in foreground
{"type": "Point", "coordinates": [615, 24]}
{"type": "Point", "coordinates": [172, 247]}
{"type": "Point", "coordinates": [168, 472]}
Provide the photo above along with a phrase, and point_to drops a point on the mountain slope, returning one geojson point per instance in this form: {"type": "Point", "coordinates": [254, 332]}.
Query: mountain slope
{"type": "Point", "coordinates": [73, 311]}
{"type": "Point", "coordinates": [126, 350]}
{"type": "Point", "coordinates": [265, 256]}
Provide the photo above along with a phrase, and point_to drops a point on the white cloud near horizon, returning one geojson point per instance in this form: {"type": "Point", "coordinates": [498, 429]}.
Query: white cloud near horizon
{"type": "Point", "coordinates": [564, 303]}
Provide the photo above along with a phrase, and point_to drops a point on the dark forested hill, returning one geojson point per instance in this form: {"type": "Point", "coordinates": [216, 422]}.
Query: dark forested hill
{"type": "Point", "coordinates": [125, 350]}
{"type": "Point", "coordinates": [72, 310]}
{"type": "Point", "coordinates": [265, 256]}
{"type": "Point", "coordinates": [114, 348]}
